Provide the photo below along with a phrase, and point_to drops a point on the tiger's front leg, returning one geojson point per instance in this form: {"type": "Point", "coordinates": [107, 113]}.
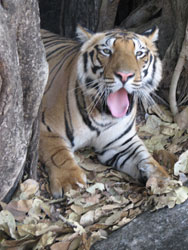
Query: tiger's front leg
{"type": "Point", "coordinates": [64, 173]}
{"type": "Point", "coordinates": [131, 157]}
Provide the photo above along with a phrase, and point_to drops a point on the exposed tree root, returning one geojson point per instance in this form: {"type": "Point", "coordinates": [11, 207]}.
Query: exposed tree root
{"type": "Point", "coordinates": [177, 72]}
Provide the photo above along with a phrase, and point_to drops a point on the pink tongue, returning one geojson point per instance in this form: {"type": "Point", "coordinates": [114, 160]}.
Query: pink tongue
{"type": "Point", "coordinates": [118, 103]}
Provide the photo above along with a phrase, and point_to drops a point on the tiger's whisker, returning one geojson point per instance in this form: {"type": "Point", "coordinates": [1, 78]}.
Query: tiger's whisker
{"type": "Point", "coordinates": [96, 100]}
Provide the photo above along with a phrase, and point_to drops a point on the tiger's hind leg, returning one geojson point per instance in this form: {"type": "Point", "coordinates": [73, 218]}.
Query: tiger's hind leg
{"type": "Point", "coordinates": [64, 173]}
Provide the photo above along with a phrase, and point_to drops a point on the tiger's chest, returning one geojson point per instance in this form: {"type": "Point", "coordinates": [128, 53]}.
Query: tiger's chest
{"type": "Point", "coordinates": [82, 137]}
{"type": "Point", "coordinates": [100, 131]}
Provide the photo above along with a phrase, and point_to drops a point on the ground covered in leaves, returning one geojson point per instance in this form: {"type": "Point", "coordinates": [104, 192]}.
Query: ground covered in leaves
{"type": "Point", "coordinates": [34, 220]}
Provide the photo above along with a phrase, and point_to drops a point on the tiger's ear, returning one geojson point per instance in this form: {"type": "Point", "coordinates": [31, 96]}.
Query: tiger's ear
{"type": "Point", "coordinates": [82, 34]}
{"type": "Point", "coordinates": [152, 33]}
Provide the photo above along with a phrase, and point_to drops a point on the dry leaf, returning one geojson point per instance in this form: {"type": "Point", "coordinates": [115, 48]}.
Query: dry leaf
{"type": "Point", "coordinates": [28, 189]}
{"type": "Point", "coordinates": [156, 142]}
{"type": "Point", "coordinates": [113, 218]}
{"type": "Point", "coordinates": [77, 209]}
{"type": "Point", "coordinates": [89, 165]}
{"type": "Point", "coordinates": [110, 207]}
{"type": "Point", "coordinates": [169, 129]}
{"type": "Point", "coordinates": [182, 118]}
{"type": "Point", "coordinates": [123, 222]}
{"type": "Point", "coordinates": [61, 245]}
{"type": "Point", "coordinates": [67, 242]}
{"type": "Point", "coordinates": [18, 208]}
{"type": "Point", "coordinates": [176, 196]}
{"type": "Point", "coordinates": [8, 224]}
{"type": "Point", "coordinates": [161, 111]}
{"type": "Point", "coordinates": [74, 217]}
{"type": "Point", "coordinates": [88, 218]}
{"type": "Point", "coordinates": [33, 229]}
{"type": "Point", "coordinates": [18, 244]}
{"type": "Point", "coordinates": [93, 199]}
{"type": "Point", "coordinates": [97, 186]}
{"type": "Point", "coordinates": [182, 165]}
{"type": "Point", "coordinates": [99, 235]}
{"type": "Point", "coordinates": [165, 158]}
{"type": "Point", "coordinates": [46, 240]}
{"type": "Point", "coordinates": [182, 194]}
{"type": "Point", "coordinates": [152, 125]}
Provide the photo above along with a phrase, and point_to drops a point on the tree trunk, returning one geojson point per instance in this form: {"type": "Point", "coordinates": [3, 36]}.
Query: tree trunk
{"type": "Point", "coordinates": [178, 11]}
{"type": "Point", "coordinates": [107, 15]}
{"type": "Point", "coordinates": [23, 75]}
{"type": "Point", "coordinates": [62, 16]}
{"type": "Point", "coordinates": [83, 12]}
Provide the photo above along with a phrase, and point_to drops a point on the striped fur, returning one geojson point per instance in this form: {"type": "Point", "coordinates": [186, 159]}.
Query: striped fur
{"type": "Point", "coordinates": [81, 106]}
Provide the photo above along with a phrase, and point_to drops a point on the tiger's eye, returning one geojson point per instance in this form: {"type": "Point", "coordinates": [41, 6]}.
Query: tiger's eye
{"type": "Point", "coordinates": [139, 53]}
{"type": "Point", "coordinates": [107, 51]}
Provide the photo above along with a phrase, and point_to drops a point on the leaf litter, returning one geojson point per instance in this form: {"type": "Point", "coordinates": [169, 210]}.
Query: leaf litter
{"type": "Point", "coordinates": [34, 220]}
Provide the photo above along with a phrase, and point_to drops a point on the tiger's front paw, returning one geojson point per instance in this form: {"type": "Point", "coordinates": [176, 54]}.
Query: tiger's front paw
{"type": "Point", "coordinates": [150, 170]}
{"type": "Point", "coordinates": [64, 179]}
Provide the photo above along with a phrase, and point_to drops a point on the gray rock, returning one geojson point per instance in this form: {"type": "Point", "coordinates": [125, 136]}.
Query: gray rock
{"type": "Point", "coordinates": [165, 229]}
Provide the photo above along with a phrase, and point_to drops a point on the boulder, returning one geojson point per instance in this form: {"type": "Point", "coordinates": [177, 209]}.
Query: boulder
{"type": "Point", "coordinates": [162, 230]}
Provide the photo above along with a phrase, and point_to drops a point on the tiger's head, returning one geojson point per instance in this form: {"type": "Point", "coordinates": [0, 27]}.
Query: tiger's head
{"type": "Point", "coordinates": [116, 65]}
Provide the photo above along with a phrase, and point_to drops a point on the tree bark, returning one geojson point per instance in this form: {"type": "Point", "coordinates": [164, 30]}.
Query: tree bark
{"type": "Point", "coordinates": [83, 12]}
{"type": "Point", "coordinates": [107, 15]}
{"type": "Point", "coordinates": [23, 75]}
{"type": "Point", "coordinates": [177, 12]}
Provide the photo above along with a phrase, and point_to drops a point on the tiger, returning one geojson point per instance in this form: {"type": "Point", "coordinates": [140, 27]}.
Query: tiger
{"type": "Point", "coordinates": [91, 98]}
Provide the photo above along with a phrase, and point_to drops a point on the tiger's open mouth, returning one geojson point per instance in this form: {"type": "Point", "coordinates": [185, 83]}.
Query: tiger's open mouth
{"type": "Point", "coordinates": [119, 103]}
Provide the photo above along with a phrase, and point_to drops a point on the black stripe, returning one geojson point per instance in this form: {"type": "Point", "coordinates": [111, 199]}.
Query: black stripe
{"type": "Point", "coordinates": [143, 150]}
{"type": "Point", "coordinates": [154, 67]}
{"type": "Point", "coordinates": [116, 157]}
{"type": "Point", "coordinates": [153, 73]}
{"type": "Point", "coordinates": [90, 84]}
{"type": "Point", "coordinates": [82, 109]}
{"type": "Point", "coordinates": [43, 120]}
{"type": "Point", "coordinates": [107, 40]}
{"type": "Point", "coordinates": [85, 59]}
{"type": "Point", "coordinates": [124, 133]}
{"type": "Point", "coordinates": [67, 105]}
{"type": "Point", "coordinates": [151, 58]}
{"type": "Point", "coordinates": [127, 141]}
{"type": "Point", "coordinates": [57, 50]}
{"type": "Point", "coordinates": [95, 68]}
{"type": "Point", "coordinates": [144, 159]}
{"type": "Point", "coordinates": [97, 47]}
{"type": "Point", "coordinates": [91, 54]}
{"type": "Point", "coordinates": [60, 65]}
{"type": "Point", "coordinates": [128, 157]}
{"type": "Point", "coordinates": [145, 72]}
{"type": "Point", "coordinates": [69, 133]}
{"type": "Point", "coordinates": [109, 34]}
{"type": "Point", "coordinates": [103, 125]}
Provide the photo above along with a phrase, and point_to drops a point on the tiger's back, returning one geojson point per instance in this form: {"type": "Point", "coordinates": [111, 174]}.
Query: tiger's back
{"type": "Point", "coordinates": [60, 52]}
{"type": "Point", "coordinates": [91, 100]}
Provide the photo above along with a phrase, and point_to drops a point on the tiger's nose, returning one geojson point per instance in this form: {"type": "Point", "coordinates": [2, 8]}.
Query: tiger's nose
{"type": "Point", "coordinates": [123, 76]}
